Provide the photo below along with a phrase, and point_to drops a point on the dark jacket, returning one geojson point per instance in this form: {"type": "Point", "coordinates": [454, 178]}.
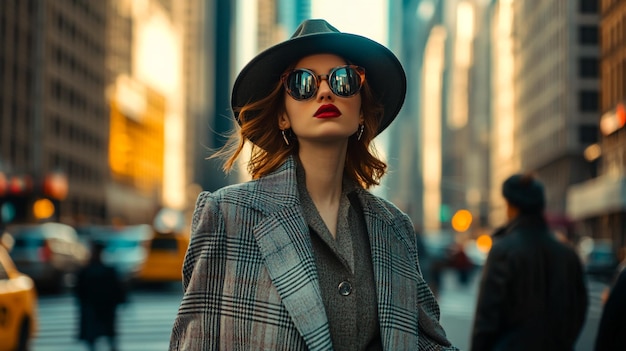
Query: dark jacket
{"type": "Point", "coordinates": [532, 294]}
{"type": "Point", "coordinates": [99, 290]}
{"type": "Point", "coordinates": [612, 329]}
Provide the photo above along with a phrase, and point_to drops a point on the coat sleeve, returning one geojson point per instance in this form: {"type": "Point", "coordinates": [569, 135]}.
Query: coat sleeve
{"type": "Point", "coordinates": [490, 306]}
{"type": "Point", "coordinates": [192, 328]}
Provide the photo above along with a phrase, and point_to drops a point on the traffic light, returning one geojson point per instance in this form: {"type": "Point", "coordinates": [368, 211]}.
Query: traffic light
{"type": "Point", "coordinates": [444, 213]}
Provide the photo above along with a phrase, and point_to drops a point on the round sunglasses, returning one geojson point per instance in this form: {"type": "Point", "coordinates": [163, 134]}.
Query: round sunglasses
{"type": "Point", "coordinates": [344, 81]}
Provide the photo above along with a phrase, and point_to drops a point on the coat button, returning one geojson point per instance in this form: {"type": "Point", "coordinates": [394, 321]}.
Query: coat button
{"type": "Point", "coordinates": [345, 288]}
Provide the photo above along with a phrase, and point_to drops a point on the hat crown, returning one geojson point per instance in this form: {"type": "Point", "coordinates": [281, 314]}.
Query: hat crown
{"type": "Point", "coordinates": [313, 26]}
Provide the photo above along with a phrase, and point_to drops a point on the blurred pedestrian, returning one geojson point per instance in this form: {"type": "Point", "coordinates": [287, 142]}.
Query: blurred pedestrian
{"type": "Point", "coordinates": [460, 262]}
{"type": "Point", "coordinates": [303, 257]}
{"type": "Point", "coordinates": [99, 291]}
{"type": "Point", "coordinates": [612, 328]}
{"type": "Point", "coordinates": [532, 294]}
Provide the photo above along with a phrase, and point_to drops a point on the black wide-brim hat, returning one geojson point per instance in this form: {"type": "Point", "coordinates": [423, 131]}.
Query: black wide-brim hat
{"type": "Point", "coordinates": [383, 70]}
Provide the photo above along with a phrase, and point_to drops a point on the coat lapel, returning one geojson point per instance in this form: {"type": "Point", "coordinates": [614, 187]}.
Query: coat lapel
{"type": "Point", "coordinates": [395, 273]}
{"type": "Point", "coordinates": [284, 242]}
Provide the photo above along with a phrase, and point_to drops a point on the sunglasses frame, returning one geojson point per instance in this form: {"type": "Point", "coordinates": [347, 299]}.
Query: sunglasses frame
{"type": "Point", "coordinates": [320, 77]}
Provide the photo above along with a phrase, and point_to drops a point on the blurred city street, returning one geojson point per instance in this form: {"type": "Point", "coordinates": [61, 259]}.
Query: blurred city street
{"type": "Point", "coordinates": [112, 114]}
{"type": "Point", "coordinates": [145, 322]}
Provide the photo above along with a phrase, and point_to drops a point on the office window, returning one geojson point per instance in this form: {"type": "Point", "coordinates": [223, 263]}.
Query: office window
{"type": "Point", "coordinates": [588, 6]}
{"type": "Point", "coordinates": [588, 101]}
{"type": "Point", "coordinates": [588, 35]}
{"type": "Point", "coordinates": [588, 67]}
{"type": "Point", "coordinates": [587, 134]}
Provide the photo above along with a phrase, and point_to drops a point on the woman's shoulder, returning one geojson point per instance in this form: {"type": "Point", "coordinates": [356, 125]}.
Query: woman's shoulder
{"type": "Point", "coordinates": [240, 192]}
{"type": "Point", "coordinates": [254, 194]}
{"type": "Point", "coordinates": [234, 189]}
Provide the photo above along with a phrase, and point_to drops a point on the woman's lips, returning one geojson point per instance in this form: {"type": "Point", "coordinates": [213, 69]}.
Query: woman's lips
{"type": "Point", "coordinates": [327, 111]}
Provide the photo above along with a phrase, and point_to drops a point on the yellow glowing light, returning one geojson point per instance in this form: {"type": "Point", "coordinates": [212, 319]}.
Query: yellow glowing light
{"type": "Point", "coordinates": [462, 220]}
{"type": "Point", "coordinates": [43, 208]}
{"type": "Point", "coordinates": [592, 152]}
{"type": "Point", "coordinates": [484, 242]}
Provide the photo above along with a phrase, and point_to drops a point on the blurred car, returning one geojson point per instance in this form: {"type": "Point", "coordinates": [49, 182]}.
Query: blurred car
{"type": "Point", "coordinates": [18, 305]}
{"type": "Point", "coordinates": [601, 261]}
{"type": "Point", "coordinates": [49, 253]}
{"type": "Point", "coordinates": [125, 247]}
{"type": "Point", "coordinates": [167, 249]}
{"type": "Point", "coordinates": [165, 258]}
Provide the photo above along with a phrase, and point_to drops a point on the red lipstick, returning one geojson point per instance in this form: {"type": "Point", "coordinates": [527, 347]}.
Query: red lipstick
{"type": "Point", "coordinates": [327, 111]}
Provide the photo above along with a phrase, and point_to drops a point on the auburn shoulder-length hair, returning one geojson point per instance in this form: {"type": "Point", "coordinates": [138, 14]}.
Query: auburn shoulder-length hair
{"type": "Point", "coordinates": [258, 123]}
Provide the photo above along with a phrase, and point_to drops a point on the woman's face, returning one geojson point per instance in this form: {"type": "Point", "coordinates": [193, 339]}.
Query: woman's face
{"type": "Point", "coordinates": [325, 117]}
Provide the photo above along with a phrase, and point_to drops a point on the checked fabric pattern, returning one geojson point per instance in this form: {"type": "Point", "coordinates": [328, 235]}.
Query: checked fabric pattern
{"type": "Point", "coordinates": [250, 280]}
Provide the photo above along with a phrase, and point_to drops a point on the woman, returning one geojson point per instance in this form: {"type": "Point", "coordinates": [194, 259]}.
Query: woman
{"type": "Point", "coordinates": [303, 257]}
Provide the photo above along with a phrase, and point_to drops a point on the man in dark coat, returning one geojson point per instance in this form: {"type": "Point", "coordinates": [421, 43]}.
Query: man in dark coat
{"type": "Point", "coordinates": [612, 328]}
{"type": "Point", "coordinates": [99, 291]}
{"type": "Point", "coordinates": [532, 294]}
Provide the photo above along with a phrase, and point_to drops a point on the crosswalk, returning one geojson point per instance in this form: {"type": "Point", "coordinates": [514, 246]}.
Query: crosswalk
{"type": "Point", "coordinates": [143, 324]}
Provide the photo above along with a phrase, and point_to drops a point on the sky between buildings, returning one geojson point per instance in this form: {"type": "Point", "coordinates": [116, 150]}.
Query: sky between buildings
{"type": "Point", "coordinates": [364, 17]}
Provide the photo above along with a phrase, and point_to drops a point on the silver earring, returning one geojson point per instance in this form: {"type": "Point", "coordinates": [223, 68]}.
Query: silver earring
{"type": "Point", "coordinates": [361, 128]}
{"type": "Point", "coordinates": [285, 137]}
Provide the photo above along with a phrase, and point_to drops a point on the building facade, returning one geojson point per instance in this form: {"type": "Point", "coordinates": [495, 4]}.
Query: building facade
{"type": "Point", "coordinates": [53, 112]}
{"type": "Point", "coordinates": [85, 121]}
{"type": "Point", "coordinates": [599, 205]}
{"type": "Point", "coordinates": [556, 93]}
{"type": "Point", "coordinates": [504, 161]}
{"type": "Point", "coordinates": [439, 158]}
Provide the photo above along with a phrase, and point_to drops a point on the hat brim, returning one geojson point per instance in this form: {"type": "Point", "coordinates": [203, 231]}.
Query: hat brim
{"type": "Point", "coordinates": [384, 72]}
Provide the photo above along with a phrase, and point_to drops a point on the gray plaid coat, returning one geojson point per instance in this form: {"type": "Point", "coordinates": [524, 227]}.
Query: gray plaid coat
{"type": "Point", "coordinates": [250, 280]}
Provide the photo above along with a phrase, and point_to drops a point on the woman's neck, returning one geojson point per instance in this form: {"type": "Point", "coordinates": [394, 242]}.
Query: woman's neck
{"type": "Point", "coordinates": [323, 168]}
{"type": "Point", "coordinates": [324, 174]}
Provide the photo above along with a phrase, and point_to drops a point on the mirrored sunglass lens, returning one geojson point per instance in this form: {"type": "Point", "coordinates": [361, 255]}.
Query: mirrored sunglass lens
{"type": "Point", "coordinates": [345, 81]}
{"type": "Point", "coordinates": [301, 85]}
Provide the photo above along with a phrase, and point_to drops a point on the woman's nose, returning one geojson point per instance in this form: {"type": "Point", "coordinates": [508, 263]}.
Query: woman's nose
{"type": "Point", "coordinates": [323, 91]}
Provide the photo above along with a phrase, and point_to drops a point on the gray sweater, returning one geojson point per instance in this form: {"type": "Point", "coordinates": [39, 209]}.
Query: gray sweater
{"type": "Point", "coordinates": [344, 267]}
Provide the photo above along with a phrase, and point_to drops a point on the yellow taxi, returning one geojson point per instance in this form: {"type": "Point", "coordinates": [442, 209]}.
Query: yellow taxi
{"type": "Point", "coordinates": [167, 248]}
{"type": "Point", "coordinates": [18, 303]}
{"type": "Point", "coordinates": [166, 254]}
